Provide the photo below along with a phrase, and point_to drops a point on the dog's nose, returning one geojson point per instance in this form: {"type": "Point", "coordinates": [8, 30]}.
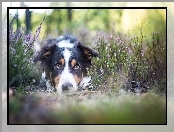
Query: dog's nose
{"type": "Point", "coordinates": [67, 86]}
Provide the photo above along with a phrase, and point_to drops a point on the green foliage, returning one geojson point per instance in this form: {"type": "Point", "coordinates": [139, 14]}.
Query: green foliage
{"type": "Point", "coordinates": [57, 22]}
{"type": "Point", "coordinates": [157, 21]}
{"type": "Point", "coordinates": [126, 59]}
{"type": "Point", "coordinates": [112, 58]}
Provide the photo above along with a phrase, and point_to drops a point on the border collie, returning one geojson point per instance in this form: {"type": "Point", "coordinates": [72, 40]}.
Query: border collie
{"type": "Point", "coordinates": [64, 62]}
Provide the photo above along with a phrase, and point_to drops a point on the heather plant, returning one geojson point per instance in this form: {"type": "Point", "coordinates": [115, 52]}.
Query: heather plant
{"type": "Point", "coordinates": [111, 62]}
{"type": "Point", "coordinates": [148, 62]}
{"type": "Point", "coordinates": [21, 51]}
{"type": "Point", "coordinates": [133, 63]}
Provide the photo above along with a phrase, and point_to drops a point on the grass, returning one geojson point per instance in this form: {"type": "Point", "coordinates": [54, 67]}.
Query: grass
{"type": "Point", "coordinates": [48, 108]}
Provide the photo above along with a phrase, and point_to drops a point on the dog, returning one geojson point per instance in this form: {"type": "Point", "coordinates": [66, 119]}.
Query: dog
{"type": "Point", "coordinates": [64, 62]}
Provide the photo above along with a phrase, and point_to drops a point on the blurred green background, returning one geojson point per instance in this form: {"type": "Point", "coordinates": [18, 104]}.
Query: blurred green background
{"type": "Point", "coordinates": [85, 23]}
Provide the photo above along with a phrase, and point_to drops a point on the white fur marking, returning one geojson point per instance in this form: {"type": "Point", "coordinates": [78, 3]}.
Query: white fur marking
{"type": "Point", "coordinates": [43, 75]}
{"type": "Point", "coordinates": [48, 84]}
{"type": "Point", "coordinates": [85, 81]}
{"type": "Point", "coordinates": [49, 87]}
{"type": "Point", "coordinates": [65, 44]}
{"type": "Point", "coordinates": [66, 76]}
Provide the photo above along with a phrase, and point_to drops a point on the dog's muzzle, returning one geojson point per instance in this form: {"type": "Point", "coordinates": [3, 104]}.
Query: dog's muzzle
{"type": "Point", "coordinates": [67, 86]}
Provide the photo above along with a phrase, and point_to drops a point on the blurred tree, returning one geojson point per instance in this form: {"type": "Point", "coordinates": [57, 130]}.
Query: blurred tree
{"type": "Point", "coordinates": [69, 17]}
{"type": "Point", "coordinates": [28, 20]}
{"type": "Point", "coordinates": [17, 20]}
{"type": "Point", "coordinates": [53, 22]}
{"type": "Point", "coordinates": [157, 19]}
{"type": "Point", "coordinates": [69, 11]}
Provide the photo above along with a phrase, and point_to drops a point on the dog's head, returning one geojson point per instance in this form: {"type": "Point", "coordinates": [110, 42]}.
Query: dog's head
{"type": "Point", "coordinates": [65, 61]}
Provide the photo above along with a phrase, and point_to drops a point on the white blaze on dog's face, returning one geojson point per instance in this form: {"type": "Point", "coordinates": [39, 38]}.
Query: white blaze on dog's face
{"type": "Point", "coordinates": [65, 62]}
{"type": "Point", "coordinates": [67, 81]}
{"type": "Point", "coordinates": [69, 73]}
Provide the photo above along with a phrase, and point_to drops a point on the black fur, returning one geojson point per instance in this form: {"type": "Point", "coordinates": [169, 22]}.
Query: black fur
{"type": "Point", "coordinates": [50, 53]}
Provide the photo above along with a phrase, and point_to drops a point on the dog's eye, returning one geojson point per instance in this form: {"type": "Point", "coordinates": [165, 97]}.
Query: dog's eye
{"type": "Point", "coordinates": [76, 66]}
{"type": "Point", "coordinates": [57, 66]}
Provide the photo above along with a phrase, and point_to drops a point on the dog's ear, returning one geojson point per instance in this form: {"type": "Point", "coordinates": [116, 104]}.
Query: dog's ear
{"type": "Point", "coordinates": [88, 52]}
{"type": "Point", "coordinates": [45, 52]}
